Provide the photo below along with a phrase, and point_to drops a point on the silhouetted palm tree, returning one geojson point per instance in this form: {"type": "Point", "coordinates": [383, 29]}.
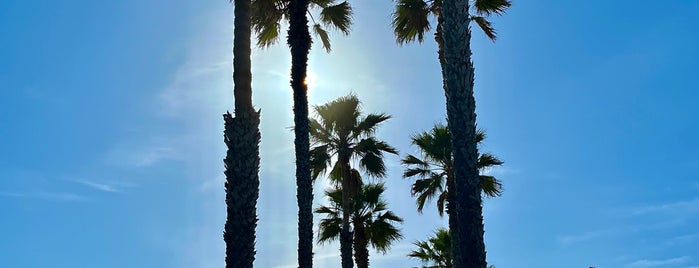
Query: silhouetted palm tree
{"type": "Point", "coordinates": [435, 251]}
{"type": "Point", "coordinates": [242, 162]}
{"type": "Point", "coordinates": [342, 132]}
{"type": "Point", "coordinates": [410, 22]}
{"type": "Point", "coordinates": [373, 223]}
{"type": "Point", "coordinates": [267, 16]}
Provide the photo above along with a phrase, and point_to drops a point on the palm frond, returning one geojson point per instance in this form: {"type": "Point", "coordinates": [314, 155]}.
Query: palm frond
{"type": "Point", "coordinates": [319, 160]}
{"type": "Point", "coordinates": [382, 231]}
{"type": "Point", "coordinates": [338, 16]}
{"type": "Point", "coordinates": [409, 160]}
{"type": "Point", "coordinates": [368, 124]}
{"type": "Point", "coordinates": [410, 21]}
{"type": "Point", "coordinates": [419, 172]}
{"type": "Point", "coordinates": [489, 7]}
{"type": "Point", "coordinates": [487, 160]}
{"type": "Point", "coordinates": [491, 186]}
{"type": "Point", "coordinates": [329, 229]}
{"type": "Point", "coordinates": [265, 17]}
{"type": "Point", "coordinates": [441, 201]}
{"type": "Point", "coordinates": [486, 26]}
{"type": "Point", "coordinates": [321, 3]}
{"type": "Point", "coordinates": [323, 35]}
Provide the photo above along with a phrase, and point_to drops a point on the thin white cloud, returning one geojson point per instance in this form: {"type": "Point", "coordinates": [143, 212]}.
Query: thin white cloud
{"type": "Point", "coordinates": [105, 187]}
{"type": "Point", "coordinates": [674, 207]}
{"type": "Point", "coordinates": [595, 234]}
{"type": "Point", "coordinates": [57, 196]}
{"type": "Point", "coordinates": [142, 156]}
{"type": "Point", "coordinates": [656, 263]}
{"type": "Point", "coordinates": [682, 239]}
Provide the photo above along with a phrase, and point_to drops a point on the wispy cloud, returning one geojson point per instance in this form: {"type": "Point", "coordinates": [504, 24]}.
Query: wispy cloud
{"type": "Point", "coordinates": [141, 156]}
{"type": "Point", "coordinates": [577, 238]}
{"type": "Point", "coordinates": [102, 186]}
{"type": "Point", "coordinates": [57, 196]}
{"type": "Point", "coordinates": [656, 263]}
{"type": "Point", "coordinates": [595, 234]}
{"type": "Point", "coordinates": [673, 207]}
{"type": "Point", "coordinates": [681, 239]}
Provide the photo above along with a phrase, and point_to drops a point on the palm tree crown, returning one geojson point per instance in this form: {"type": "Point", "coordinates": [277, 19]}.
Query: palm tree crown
{"type": "Point", "coordinates": [369, 214]}
{"type": "Point", "coordinates": [436, 250]}
{"type": "Point", "coordinates": [435, 169]}
{"type": "Point", "coordinates": [341, 131]}
{"type": "Point", "coordinates": [411, 18]}
{"type": "Point", "coordinates": [267, 17]}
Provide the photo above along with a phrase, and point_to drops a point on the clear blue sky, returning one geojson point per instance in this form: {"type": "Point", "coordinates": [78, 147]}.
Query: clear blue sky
{"type": "Point", "coordinates": [111, 133]}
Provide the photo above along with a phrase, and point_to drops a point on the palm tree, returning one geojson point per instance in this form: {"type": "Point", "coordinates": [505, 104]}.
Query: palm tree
{"type": "Point", "coordinates": [341, 132]}
{"type": "Point", "coordinates": [436, 250]}
{"type": "Point", "coordinates": [266, 19]}
{"type": "Point", "coordinates": [242, 162]}
{"type": "Point", "coordinates": [373, 223]}
{"type": "Point", "coordinates": [435, 169]}
{"type": "Point", "coordinates": [453, 36]}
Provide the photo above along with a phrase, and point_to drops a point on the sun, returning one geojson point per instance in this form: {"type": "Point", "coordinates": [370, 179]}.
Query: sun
{"type": "Point", "coordinates": [310, 80]}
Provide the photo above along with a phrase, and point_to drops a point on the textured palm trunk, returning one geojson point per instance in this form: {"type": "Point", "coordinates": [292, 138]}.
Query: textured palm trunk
{"type": "Point", "coordinates": [453, 218]}
{"type": "Point", "coordinates": [461, 116]}
{"type": "Point", "coordinates": [345, 234]}
{"type": "Point", "coordinates": [299, 41]}
{"type": "Point", "coordinates": [451, 191]}
{"type": "Point", "coordinates": [361, 249]}
{"type": "Point", "coordinates": [242, 162]}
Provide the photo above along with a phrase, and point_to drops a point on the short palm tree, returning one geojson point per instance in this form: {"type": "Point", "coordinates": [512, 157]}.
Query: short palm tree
{"type": "Point", "coordinates": [453, 36]}
{"type": "Point", "coordinates": [435, 251]}
{"type": "Point", "coordinates": [341, 133]}
{"type": "Point", "coordinates": [242, 162]}
{"type": "Point", "coordinates": [267, 16]}
{"type": "Point", "coordinates": [373, 223]}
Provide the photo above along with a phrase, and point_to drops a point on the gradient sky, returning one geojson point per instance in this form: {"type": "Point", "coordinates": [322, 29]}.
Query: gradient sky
{"type": "Point", "coordinates": [111, 132]}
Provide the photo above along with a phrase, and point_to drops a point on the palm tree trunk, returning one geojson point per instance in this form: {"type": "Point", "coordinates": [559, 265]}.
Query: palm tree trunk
{"type": "Point", "coordinates": [345, 234]}
{"type": "Point", "coordinates": [361, 249]}
{"type": "Point", "coordinates": [451, 191]}
{"type": "Point", "coordinates": [299, 41]}
{"type": "Point", "coordinates": [242, 162]}
{"type": "Point", "coordinates": [461, 117]}
{"type": "Point", "coordinates": [453, 218]}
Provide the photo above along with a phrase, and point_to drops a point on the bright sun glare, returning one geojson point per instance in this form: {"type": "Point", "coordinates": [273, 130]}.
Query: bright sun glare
{"type": "Point", "coordinates": [310, 80]}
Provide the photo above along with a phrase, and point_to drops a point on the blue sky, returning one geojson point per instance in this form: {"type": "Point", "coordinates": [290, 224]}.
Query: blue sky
{"type": "Point", "coordinates": [111, 133]}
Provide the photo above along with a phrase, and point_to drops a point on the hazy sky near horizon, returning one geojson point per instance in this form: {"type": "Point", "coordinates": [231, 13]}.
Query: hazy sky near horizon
{"type": "Point", "coordinates": [111, 132]}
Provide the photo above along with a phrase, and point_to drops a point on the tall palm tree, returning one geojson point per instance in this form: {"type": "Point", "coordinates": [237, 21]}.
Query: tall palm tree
{"type": "Point", "coordinates": [267, 16]}
{"type": "Point", "coordinates": [373, 223]}
{"type": "Point", "coordinates": [434, 169]}
{"type": "Point", "coordinates": [341, 132]}
{"type": "Point", "coordinates": [242, 162]}
{"type": "Point", "coordinates": [453, 36]}
{"type": "Point", "coordinates": [436, 250]}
